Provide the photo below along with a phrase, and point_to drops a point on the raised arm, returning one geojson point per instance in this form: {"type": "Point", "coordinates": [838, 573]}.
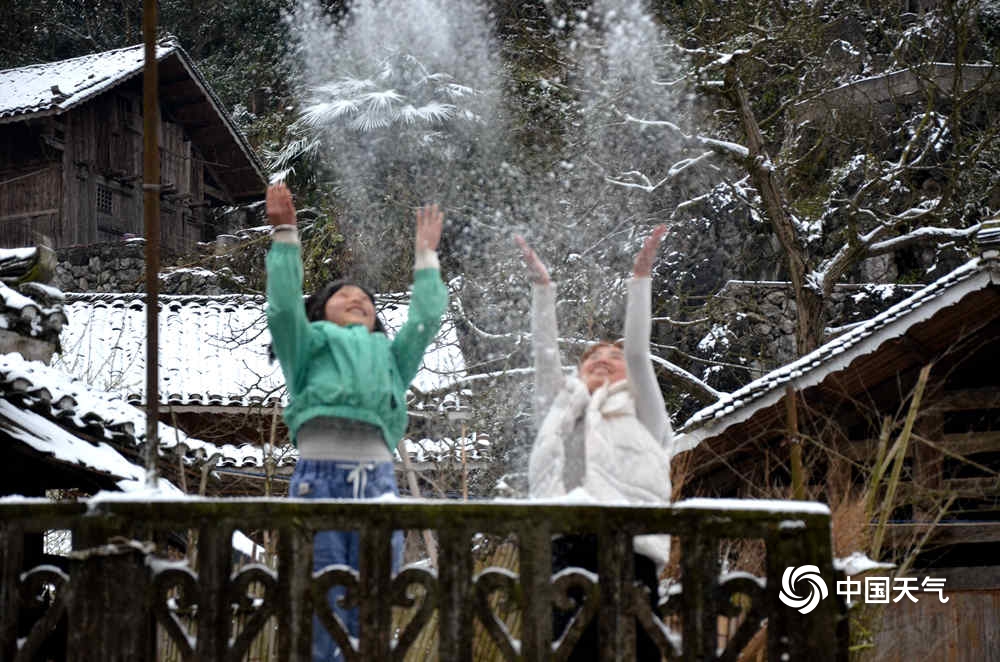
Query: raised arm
{"type": "Point", "coordinates": [429, 298]}
{"type": "Point", "coordinates": [544, 329]}
{"type": "Point", "coordinates": [286, 314]}
{"type": "Point", "coordinates": [648, 397]}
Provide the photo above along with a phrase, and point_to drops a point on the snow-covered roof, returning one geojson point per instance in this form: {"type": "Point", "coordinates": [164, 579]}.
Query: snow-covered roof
{"type": "Point", "coordinates": [476, 448]}
{"type": "Point", "coordinates": [28, 309]}
{"type": "Point", "coordinates": [213, 349]}
{"type": "Point", "coordinates": [35, 316]}
{"type": "Point", "coordinates": [54, 87]}
{"type": "Point", "coordinates": [861, 340]}
{"type": "Point", "coordinates": [51, 88]}
{"type": "Point", "coordinates": [81, 409]}
{"type": "Point", "coordinates": [46, 437]}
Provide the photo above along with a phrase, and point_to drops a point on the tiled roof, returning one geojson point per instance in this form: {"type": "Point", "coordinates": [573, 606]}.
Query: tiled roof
{"type": "Point", "coordinates": [80, 408]}
{"type": "Point", "coordinates": [861, 340]}
{"type": "Point", "coordinates": [32, 310]}
{"type": "Point", "coordinates": [53, 87]}
{"type": "Point", "coordinates": [213, 349]}
{"type": "Point", "coordinates": [29, 309]}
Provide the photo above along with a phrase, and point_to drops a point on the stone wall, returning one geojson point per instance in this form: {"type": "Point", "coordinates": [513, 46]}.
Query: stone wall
{"type": "Point", "coordinates": [111, 267]}
{"type": "Point", "coordinates": [231, 265]}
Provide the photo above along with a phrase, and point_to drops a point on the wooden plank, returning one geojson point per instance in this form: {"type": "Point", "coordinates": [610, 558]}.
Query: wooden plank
{"type": "Point", "coordinates": [944, 533]}
{"type": "Point", "coordinates": [214, 610]}
{"type": "Point", "coordinates": [965, 443]}
{"type": "Point", "coordinates": [11, 560]}
{"type": "Point", "coordinates": [375, 569]}
{"type": "Point", "coordinates": [455, 610]}
{"type": "Point", "coordinates": [295, 611]}
{"type": "Point", "coordinates": [699, 564]}
{"type": "Point", "coordinates": [972, 398]}
{"type": "Point", "coordinates": [616, 571]}
{"type": "Point", "coordinates": [106, 623]}
{"type": "Point", "coordinates": [966, 578]}
{"type": "Point", "coordinates": [968, 443]}
{"type": "Point", "coordinates": [962, 488]}
{"type": "Point", "coordinates": [29, 214]}
{"type": "Point", "coordinates": [535, 560]}
{"type": "Point", "coordinates": [965, 629]}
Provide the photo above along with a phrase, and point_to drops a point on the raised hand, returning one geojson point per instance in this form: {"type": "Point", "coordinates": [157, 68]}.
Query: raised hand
{"type": "Point", "coordinates": [280, 208]}
{"type": "Point", "coordinates": [429, 222]}
{"type": "Point", "coordinates": [537, 272]}
{"type": "Point", "coordinates": [647, 254]}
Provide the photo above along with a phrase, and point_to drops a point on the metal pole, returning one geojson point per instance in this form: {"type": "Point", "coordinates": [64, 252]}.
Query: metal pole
{"type": "Point", "coordinates": [151, 217]}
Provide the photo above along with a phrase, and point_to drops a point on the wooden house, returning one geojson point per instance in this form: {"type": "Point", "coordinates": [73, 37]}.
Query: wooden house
{"type": "Point", "coordinates": [71, 151]}
{"type": "Point", "coordinates": [846, 404]}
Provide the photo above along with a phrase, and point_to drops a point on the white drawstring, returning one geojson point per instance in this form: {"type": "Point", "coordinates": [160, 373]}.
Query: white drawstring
{"type": "Point", "coordinates": [358, 477]}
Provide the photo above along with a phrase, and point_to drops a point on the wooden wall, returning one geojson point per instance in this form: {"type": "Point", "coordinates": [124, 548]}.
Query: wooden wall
{"type": "Point", "coordinates": [964, 629]}
{"type": "Point", "coordinates": [30, 186]}
{"type": "Point", "coordinates": [77, 177]}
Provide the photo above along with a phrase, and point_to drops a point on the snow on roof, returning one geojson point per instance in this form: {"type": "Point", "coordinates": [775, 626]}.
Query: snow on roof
{"type": "Point", "coordinates": [38, 317]}
{"type": "Point", "coordinates": [74, 405]}
{"type": "Point", "coordinates": [861, 340]}
{"type": "Point", "coordinates": [477, 448]}
{"type": "Point", "coordinates": [46, 437]}
{"type": "Point", "coordinates": [53, 87]}
{"type": "Point", "coordinates": [213, 349]}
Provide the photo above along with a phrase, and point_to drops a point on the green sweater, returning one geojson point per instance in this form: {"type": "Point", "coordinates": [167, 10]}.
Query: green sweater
{"type": "Point", "coordinates": [347, 372]}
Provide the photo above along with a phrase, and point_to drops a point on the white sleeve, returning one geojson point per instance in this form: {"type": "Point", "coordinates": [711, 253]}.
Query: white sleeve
{"type": "Point", "coordinates": [649, 404]}
{"type": "Point", "coordinates": [545, 345]}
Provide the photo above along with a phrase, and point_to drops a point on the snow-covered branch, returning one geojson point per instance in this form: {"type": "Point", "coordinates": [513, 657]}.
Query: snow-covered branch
{"type": "Point", "coordinates": [683, 379]}
{"type": "Point", "coordinates": [723, 147]}
{"type": "Point", "coordinates": [923, 235]}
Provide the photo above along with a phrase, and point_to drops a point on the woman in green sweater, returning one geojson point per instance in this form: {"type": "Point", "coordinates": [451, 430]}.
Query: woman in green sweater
{"type": "Point", "coordinates": [346, 383]}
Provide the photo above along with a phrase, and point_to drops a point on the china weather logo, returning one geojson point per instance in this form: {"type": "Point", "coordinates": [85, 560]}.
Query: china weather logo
{"type": "Point", "coordinates": [809, 575]}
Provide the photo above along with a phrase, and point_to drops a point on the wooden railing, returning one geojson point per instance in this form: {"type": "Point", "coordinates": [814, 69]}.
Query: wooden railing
{"type": "Point", "coordinates": [116, 591]}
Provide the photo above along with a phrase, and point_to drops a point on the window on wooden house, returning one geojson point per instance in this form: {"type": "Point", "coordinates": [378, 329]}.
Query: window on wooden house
{"type": "Point", "coordinates": [105, 200]}
{"type": "Point", "coordinates": [110, 226]}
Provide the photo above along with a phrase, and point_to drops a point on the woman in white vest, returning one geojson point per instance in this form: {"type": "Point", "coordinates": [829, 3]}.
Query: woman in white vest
{"type": "Point", "coordinates": [604, 434]}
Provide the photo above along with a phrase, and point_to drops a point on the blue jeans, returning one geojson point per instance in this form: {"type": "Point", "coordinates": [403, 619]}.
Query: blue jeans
{"type": "Point", "coordinates": [329, 479]}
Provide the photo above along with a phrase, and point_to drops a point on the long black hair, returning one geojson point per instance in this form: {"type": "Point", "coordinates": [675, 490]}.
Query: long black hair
{"type": "Point", "coordinates": [315, 305]}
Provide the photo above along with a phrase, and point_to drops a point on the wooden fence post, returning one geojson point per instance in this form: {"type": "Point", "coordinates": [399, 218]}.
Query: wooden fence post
{"type": "Point", "coordinates": [535, 563]}
{"type": "Point", "coordinates": [455, 613]}
{"type": "Point", "coordinates": [215, 614]}
{"type": "Point", "coordinates": [295, 611]}
{"type": "Point", "coordinates": [108, 609]}
{"type": "Point", "coordinates": [699, 578]}
{"type": "Point", "coordinates": [375, 570]}
{"type": "Point", "coordinates": [616, 572]}
{"type": "Point", "coordinates": [791, 634]}
{"type": "Point", "coordinates": [11, 559]}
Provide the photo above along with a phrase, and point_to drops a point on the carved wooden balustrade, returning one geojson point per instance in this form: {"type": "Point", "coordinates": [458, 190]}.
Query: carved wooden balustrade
{"type": "Point", "coordinates": [115, 590]}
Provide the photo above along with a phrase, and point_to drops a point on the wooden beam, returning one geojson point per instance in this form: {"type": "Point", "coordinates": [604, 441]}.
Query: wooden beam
{"type": "Point", "coordinates": [969, 443]}
{"type": "Point", "coordinates": [975, 578]}
{"type": "Point", "coordinates": [962, 488]}
{"type": "Point", "coordinates": [29, 214]}
{"type": "Point", "coordinates": [972, 398]}
{"type": "Point", "coordinates": [965, 443]}
{"type": "Point", "coordinates": [943, 533]}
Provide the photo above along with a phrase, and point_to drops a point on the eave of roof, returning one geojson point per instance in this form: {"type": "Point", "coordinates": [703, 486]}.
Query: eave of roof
{"type": "Point", "coordinates": [837, 354]}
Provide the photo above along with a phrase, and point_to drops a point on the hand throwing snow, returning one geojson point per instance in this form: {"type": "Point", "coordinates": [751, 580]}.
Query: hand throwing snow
{"type": "Point", "coordinates": [537, 272]}
{"type": "Point", "coordinates": [647, 254]}
{"type": "Point", "coordinates": [280, 208]}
